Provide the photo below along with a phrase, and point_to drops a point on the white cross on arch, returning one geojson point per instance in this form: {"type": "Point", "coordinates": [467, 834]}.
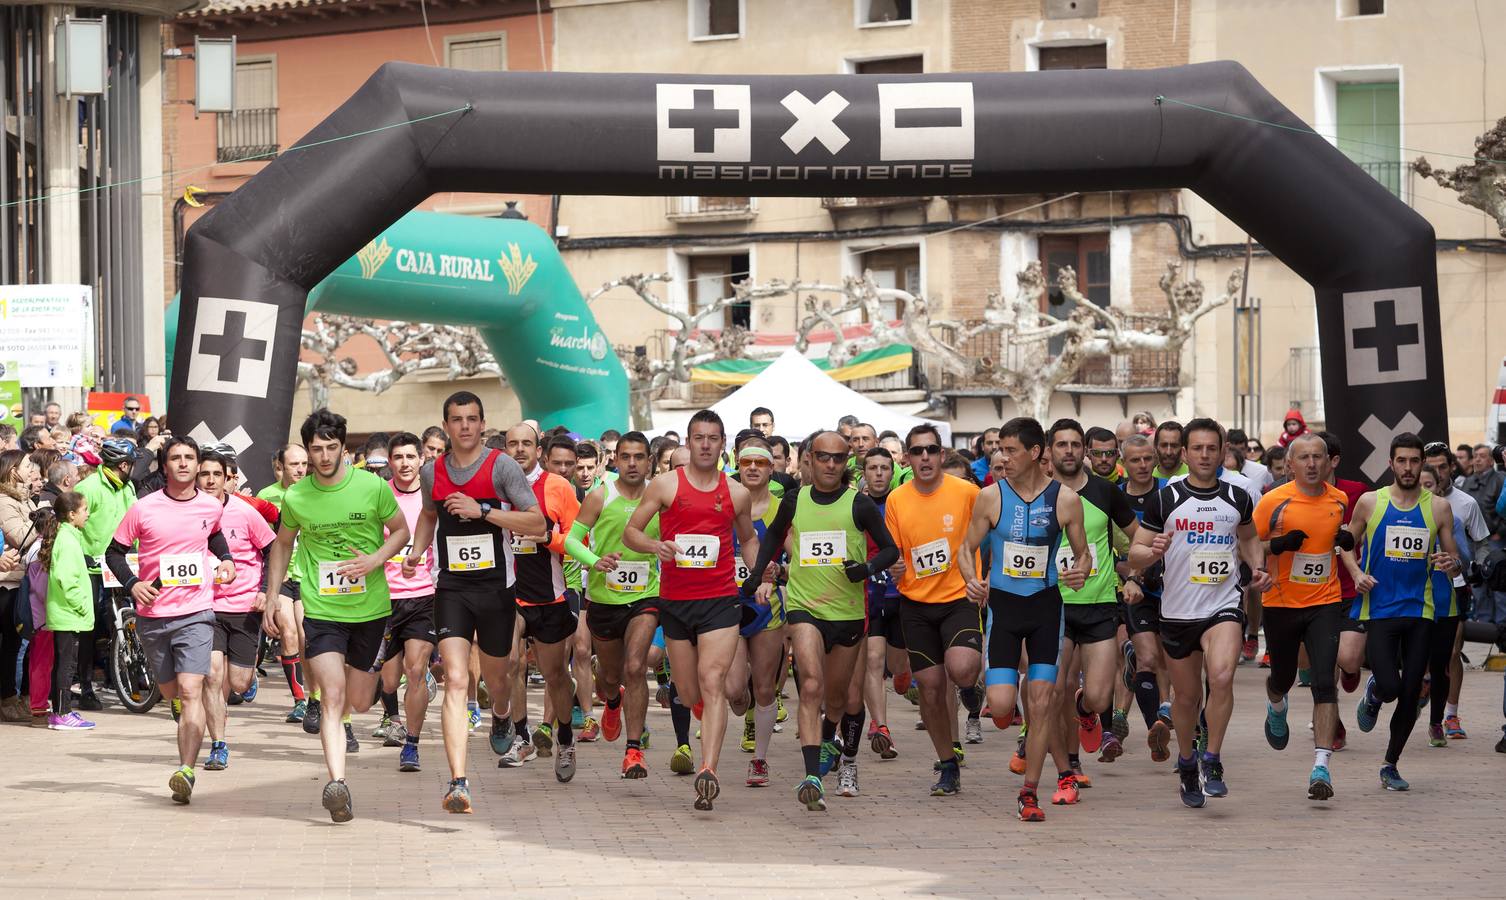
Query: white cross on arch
{"type": "Point", "coordinates": [1379, 434]}
{"type": "Point", "coordinates": [814, 121]}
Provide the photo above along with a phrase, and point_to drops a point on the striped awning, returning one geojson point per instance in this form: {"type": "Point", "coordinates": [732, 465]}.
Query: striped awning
{"type": "Point", "coordinates": [878, 361]}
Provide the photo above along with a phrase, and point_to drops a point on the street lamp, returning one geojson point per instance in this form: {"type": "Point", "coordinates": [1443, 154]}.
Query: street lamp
{"type": "Point", "coordinates": [80, 56]}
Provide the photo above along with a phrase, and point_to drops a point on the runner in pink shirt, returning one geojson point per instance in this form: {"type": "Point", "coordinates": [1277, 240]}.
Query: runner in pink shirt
{"type": "Point", "coordinates": [177, 534]}
{"type": "Point", "coordinates": [410, 629]}
{"type": "Point", "coordinates": [238, 604]}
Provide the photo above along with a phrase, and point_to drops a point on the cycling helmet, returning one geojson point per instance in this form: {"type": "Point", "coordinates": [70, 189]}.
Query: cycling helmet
{"type": "Point", "coordinates": [221, 449]}
{"type": "Point", "coordinates": [115, 451]}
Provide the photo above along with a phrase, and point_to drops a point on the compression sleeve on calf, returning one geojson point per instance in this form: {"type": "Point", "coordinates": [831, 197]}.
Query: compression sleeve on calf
{"type": "Point", "coordinates": [575, 545]}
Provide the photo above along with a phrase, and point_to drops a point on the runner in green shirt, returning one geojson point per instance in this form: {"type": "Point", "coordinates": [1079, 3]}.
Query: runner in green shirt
{"type": "Point", "coordinates": [622, 596]}
{"type": "Point", "coordinates": [828, 526]}
{"type": "Point", "coordinates": [341, 513]}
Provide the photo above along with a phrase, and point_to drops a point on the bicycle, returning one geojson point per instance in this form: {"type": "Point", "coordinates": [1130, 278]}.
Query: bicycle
{"type": "Point", "coordinates": [134, 684]}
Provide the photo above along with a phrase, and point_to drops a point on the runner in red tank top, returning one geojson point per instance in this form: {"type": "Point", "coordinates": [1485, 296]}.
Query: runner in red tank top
{"type": "Point", "coordinates": [698, 508]}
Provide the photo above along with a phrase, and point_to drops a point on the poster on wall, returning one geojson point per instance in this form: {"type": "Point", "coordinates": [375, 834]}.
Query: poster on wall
{"type": "Point", "coordinates": [10, 395]}
{"type": "Point", "coordinates": [47, 329]}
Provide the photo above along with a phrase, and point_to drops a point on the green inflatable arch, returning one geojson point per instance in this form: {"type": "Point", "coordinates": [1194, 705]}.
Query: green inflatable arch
{"type": "Point", "coordinates": [505, 278]}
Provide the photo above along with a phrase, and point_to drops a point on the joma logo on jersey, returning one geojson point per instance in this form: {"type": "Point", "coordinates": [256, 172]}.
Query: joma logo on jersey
{"type": "Point", "coordinates": [357, 517]}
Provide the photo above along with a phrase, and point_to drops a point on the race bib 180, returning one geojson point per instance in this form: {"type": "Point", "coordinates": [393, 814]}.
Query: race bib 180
{"type": "Point", "coordinates": [181, 570]}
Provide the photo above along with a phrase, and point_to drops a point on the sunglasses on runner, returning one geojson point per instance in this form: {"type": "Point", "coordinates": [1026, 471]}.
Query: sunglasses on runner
{"type": "Point", "coordinates": [925, 450]}
{"type": "Point", "coordinates": [1435, 447]}
{"type": "Point", "coordinates": [756, 462]}
{"type": "Point", "coordinates": [1103, 454]}
{"type": "Point", "coordinates": [827, 456]}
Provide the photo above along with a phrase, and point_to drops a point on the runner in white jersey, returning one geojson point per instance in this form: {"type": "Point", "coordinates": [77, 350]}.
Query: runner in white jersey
{"type": "Point", "coordinates": [1202, 527]}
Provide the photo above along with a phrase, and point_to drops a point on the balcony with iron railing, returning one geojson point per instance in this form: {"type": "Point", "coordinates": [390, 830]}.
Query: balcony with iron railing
{"type": "Point", "coordinates": [710, 209]}
{"type": "Point", "coordinates": [246, 134]}
{"type": "Point", "coordinates": [1389, 174]}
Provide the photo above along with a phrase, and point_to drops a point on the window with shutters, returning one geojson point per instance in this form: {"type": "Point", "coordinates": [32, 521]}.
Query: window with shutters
{"type": "Point", "coordinates": [711, 280]}
{"type": "Point", "coordinates": [1369, 129]}
{"type": "Point", "coordinates": [476, 52]}
{"type": "Point", "coordinates": [250, 133]}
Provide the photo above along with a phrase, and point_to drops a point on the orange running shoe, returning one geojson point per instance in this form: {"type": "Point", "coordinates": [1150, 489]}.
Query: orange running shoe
{"type": "Point", "coordinates": [1066, 791]}
{"type": "Point", "coordinates": [901, 682]}
{"type": "Point", "coordinates": [1159, 741]}
{"type": "Point", "coordinates": [1089, 727]}
{"type": "Point", "coordinates": [611, 723]}
{"type": "Point", "coordinates": [1030, 808]}
{"type": "Point", "coordinates": [632, 764]}
{"type": "Point", "coordinates": [1017, 763]}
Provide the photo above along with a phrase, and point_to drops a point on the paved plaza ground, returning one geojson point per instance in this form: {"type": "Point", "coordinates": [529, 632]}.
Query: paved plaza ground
{"type": "Point", "coordinates": [89, 814]}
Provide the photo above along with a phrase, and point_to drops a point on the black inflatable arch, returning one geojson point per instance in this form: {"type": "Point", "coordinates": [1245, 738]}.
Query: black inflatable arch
{"type": "Point", "coordinates": [250, 263]}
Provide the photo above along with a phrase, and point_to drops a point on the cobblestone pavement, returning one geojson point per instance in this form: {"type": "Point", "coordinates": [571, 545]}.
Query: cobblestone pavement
{"type": "Point", "coordinates": [88, 814]}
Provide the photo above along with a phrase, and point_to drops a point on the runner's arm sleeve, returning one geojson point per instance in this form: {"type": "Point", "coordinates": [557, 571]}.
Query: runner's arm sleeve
{"type": "Point", "coordinates": [115, 558]}
{"type": "Point", "coordinates": [426, 485]}
{"type": "Point", "coordinates": [575, 545]}
{"type": "Point", "coordinates": [564, 506]}
{"type": "Point", "coordinates": [512, 485]}
{"type": "Point", "coordinates": [773, 540]}
{"type": "Point", "coordinates": [866, 515]}
{"type": "Point", "coordinates": [219, 546]}
{"type": "Point", "coordinates": [1120, 510]}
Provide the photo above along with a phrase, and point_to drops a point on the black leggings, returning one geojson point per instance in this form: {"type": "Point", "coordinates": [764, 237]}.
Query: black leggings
{"type": "Point", "coordinates": [1315, 627]}
{"type": "Point", "coordinates": [1440, 657]}
{"type": "Point", "coordinates": [10, 642]}
{"type": "Point", "coordinates": [64, 657]}
{"type": "Point", "coordinates": [1398, 654]}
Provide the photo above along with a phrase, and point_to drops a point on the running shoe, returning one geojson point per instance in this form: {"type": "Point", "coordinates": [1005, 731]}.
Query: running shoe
{"type": "Point", "coordinates": [1453, 728]}
{"type": "Point", "coordinates": [1190, 787]}
{"type": "Point", "coordinates": [176, 708]}
{"type": "Point", "coordinates": [590, 730]}
{"type": "Point", "coordinates": [1427, 692]}
{"type": "Point", "coordinates": [1340, 736]}
{"type": "Point", "coordinates": [407, 761]}
{"type": "Point", "coordinates": [336, 799]}
{"type": "Point", "coordinates": [219, 758]}
{"type": "Point", "coordinates": [249, 694]}
{"type": "Point", "coordinates": [70, 722]}
{"type": "Point", "coordinates": [1276, 732]}
{"type": "Point", "coordinates": [1319, 784]}
{"type": "Point", "coordinates": [1501, 744]}
{"type": "Point", "coordinates": [707, 788]}
{"type": "Point", "coordinates": [811, 793]}
{"type": "Point", "coordinates": [901, 682]}
{"type": "Point", "coordinates": [1251, 647]}
{"type": "Point", "coordinates": [296, 714]}
{"type": "Point", "coordinates": [1083, 779]}
{"type": "Point", "coordinates": [643, 741]}
{"type": "Point", "coordinates": [1030, 807]}
{"type": "Point", "coordinates": [1435, 736]}
{"type": "Point", "coordinates": [1305, 678]}
{"type": "Point", "coordinates": [683, 761]}
{"type": "Point", "coordinates": [1066, 791]}
{"type": "Point", "coordinates": [501, 738]}
{"type": "Point", "coordinates": [1131, 665]}
{"type": "Point", "coordinates": [611, 723]}
{"type": "Point", "coordinates": [577, 718]}
{"type": "Point", "coordinates": [396, 735]}
{"type": "Point", "coordinates": [758, 772]}
{"type": "Point", "coordinates": [913, 694]}
{"type": "Point", "coordinates": [181, 784]}
{"type": "Point", "coordinates": [847, 778]}
{"type": "Point", "coordinates": [312, 718]}
{"type": "Point", "coordinates": [1163, 713]}
{"type": "Point", "coordinates": [950, 781]}
{"type": "Point", "coordinates": [780, 713]}
{"type": "Point", "coordinates": [1119, 724]}
{"type": "Point", "coordinates": [472, 717]}
{"type": "Point", "coordinates": [1159, 741]}
{"type": "Point", "coordinates": [351, 744]}
{"type": "Point", "coordinates": [458, 798]}
{"type": "Point", "coordinates": [974, 731]}
{"type": "Point", "coordinates": [750, 733]}
{"type": "Point", "coordinates": [519, 753]}
{"type": "Point", "coordinates": [632, 764]}
{"type": "Point", "coordinates": [382, 727]}
{"type": "Point", "coordinates": [1265, 660]}
{"type": "Point", "coordinates": [830, 753]}
{"type": "Point", "coordinates": [1017, 763]}
{"type": "Point", "coordinates": [1369, 709]}
{"type": "Point", "coordinates": [960, 754]}
{"type": "Point", "coordinates": [543, 740]}
{"type": "Point", "coordinates": [661, 696]}
{"type": "Point", "coordinates": [920, 725]}
{"type": "Point", "coordinates": [1089, 728]}
{"type": "Point", "coordinates": [1391, 779]}
{"type": "Point", "coordinates": [882, 742]}
{"type": "Point", "coordinates": [1349, 681]}
{"type": "Point", "coordinates": [564, 763]}
{"type": "Point", "coordinates": [1213, 778]}
{"type": "Point", "coordinates": [1112, 749]}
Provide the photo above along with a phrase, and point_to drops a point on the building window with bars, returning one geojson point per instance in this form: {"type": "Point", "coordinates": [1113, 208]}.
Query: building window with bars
{"type": "Point", "coordinates": [1369, 129]}
{"type": "Point", "coordinates": [250, 133]}
{"type": "Point", "coordinates": [476, 53]}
